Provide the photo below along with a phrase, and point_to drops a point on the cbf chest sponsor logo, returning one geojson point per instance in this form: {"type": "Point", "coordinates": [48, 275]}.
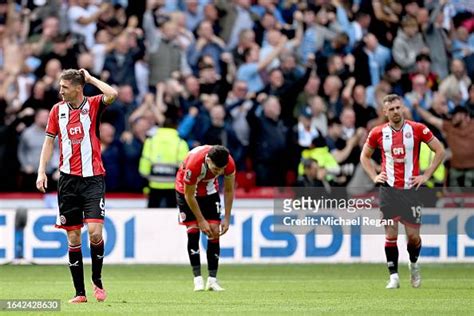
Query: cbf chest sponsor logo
{"type": "Point", "coordinates": [76, 130]}
{"type": "Point", "coordinates": [398, 151]}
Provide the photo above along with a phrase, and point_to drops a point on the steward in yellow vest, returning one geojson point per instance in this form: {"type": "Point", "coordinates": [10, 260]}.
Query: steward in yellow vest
{"type": "Point", "coordinates": [160, 160]}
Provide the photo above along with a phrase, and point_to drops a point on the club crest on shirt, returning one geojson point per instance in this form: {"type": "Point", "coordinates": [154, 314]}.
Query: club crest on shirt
{"type": "Point", "coordinates": [85, 111]}
{"type": "Point", "coordinates": [408, 135]}
{"type": "Point", "coordinates": [188, 175]}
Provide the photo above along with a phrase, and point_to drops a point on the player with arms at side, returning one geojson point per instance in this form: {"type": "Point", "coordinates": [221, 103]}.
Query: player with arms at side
{"type": "Point", "coordinates": [399, 143]}
{"type": "Point", "coordinates": [197, 194]}
{"type": "Point", "coordinates": [81, 188]}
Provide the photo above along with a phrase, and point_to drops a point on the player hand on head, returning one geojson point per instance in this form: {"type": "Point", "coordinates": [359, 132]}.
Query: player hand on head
{"type": "Point", "coordinates": [224, 226]}
{"type": "Point", "coordinates": [417, 181]}
{"type": "Point", "coordinates": [86, 74]}
{"type": "Point", "coordinates": [42, 182]}
{"type": "Point", "coordinates": [381, 177]}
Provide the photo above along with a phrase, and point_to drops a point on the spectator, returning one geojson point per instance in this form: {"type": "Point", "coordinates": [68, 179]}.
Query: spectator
{"type": "Point", "coordinates": [111, 156]}
{"type": "Point", "coordinates": [159, 163]}
{"type": "Point", "coordinates": [348, 123]}
{"type": "Point", "coordinates": [289, 67]}
{"type": "Point", "coordinates": [316, 32]}
{"type": "Point", "coordinates": [459, 134]}
{"type": "Point", "coordinates": [118, 113]}
{"type": "Point", "coordinates": [237, 106]}
{"type": "Point", "coordinates": [393, 76]}
{"type": "Point", "coordinates": [210, 82]}
{"type": "Point", "coordinates": [82, 18]}
{"type": "Point", "coordinates": [363, 112]}
{"type": "Point", "coordinates": [63, 51]}
{"type": "Point", "coordinates": [246, 41]}
{"type": "Point", "coordinates": [319, 118]}
{"type": "Point", "coordinates": [423, 67]}
{"type": "Point", "coordinates": [184, 37]}
{"type": "Point", "coordinates": [454, 87]}
{"type": "Point", "coordinates": [191, 94]}
{"type": "Point", "coordinates": [439, 108]}
{"type": "Point", "coordinates": [265, 24]}
{"type": "Point", "coordinates": [419, 94]}
{"type": "Point", "coordinates": [408, 44]}
{"type": "Point", "coordinates": [437, 40]}
{"type": "Point", "coordinates": [287, 91]}
{"type": "Point", "coordinates": [304, 130]}
{"type": "Point", "coordinates": [220, 132]}
{"type": "Point", "coordinates": [384, 20]}
{"type": "Point", "coordinates": [50, 79]}
{"type": "Point", "coordinates": [120, 62]}
{"type": "Point", "coordinates": [332, 90]}
{"type": "Point", "coordinates": [310, 90]}
{"type": "Point", "coordinates": [164, 54]}
{"type": "Point", "coordinates": [103, 46]}
{"type": "Point", "coordinates": [207, 44]}
{"type": "Point", "coordinates": [29, 150]}
{"type": "Point", "coordinates": [313, 176]}
{"type": "Point", "coordinates": [42, 44]}
{"type": "Point", "coordinates": [41, 98]}
{"type": "Point", "coordinates": [236, 17]}
{"type": "Point", "coordinates": [194, 14]}
{"type": "Point", "coordinates": [360, 26]}
{"type": "Point", "coordinates": [371, 58]}
{"type": "Point", "coordinates": [212, 15]}
{"type": "Point", "coordinates": [132, 144]}
{"type": "Point", "coordinates": [86, 61]}
{"type": "Point", "coordinates": [249, 71]}
{"type": "Point", "coordinates": [269, 137]}
{"type": "Point", "coordinates": [463, 44]}
{"type": "Point", "coordinates": [264, 6]}
{"type": "Point", "coordinates": [469, 105]}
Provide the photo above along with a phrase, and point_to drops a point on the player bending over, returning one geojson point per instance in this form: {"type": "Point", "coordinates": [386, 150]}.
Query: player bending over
{"type": "Point", "coordinates": [399, 142]}
{"type": "Point", "coordinates": [197, 194]}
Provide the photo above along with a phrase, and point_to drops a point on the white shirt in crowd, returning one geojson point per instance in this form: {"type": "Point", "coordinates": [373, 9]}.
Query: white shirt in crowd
{"type": "Point", "coordinates": [88, 30]}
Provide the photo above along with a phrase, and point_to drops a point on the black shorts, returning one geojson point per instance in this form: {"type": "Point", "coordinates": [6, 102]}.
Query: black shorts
{"type": "Point", "coordinates": [80, 199]}
{"type": "Point", "coordinates": [401, 205]}
{"type": "Point", "coordinates": [210, 206]}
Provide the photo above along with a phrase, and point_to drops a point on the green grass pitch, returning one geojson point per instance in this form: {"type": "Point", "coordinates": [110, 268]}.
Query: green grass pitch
{"type": "Point", "coordinates": [252, 289]}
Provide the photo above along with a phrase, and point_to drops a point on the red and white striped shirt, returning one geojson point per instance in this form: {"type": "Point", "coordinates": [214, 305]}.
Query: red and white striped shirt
{"type": "Point", "coordinates": [79, 139]}
{"type": "Point", "coordinates": [194, 170]}
{"type": "Point", "coordinates": [400, 150]}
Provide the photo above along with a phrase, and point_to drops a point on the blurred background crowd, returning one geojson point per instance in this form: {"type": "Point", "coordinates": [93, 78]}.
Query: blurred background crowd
{"type": "Point", "coordinates": [290, 87]}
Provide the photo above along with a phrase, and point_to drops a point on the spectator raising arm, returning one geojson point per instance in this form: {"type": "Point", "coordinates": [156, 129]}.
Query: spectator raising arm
{"type": "Point", "coordinates": [262, 64]}
{"type": "Point", "coordinates": [428, 117]}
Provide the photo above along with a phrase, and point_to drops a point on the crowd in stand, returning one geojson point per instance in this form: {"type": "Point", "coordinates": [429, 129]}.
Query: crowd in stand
{"type": "Point", "coordinates": [292, 88]}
